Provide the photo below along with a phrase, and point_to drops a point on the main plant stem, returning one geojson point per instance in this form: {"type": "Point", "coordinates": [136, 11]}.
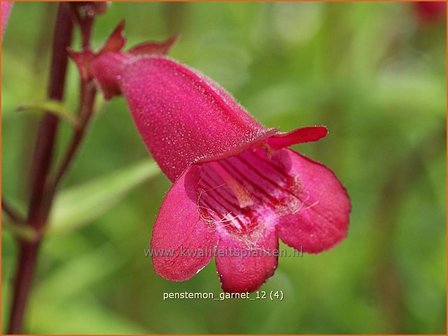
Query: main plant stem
{"type": "Point", "coordinates": [41, 163]}
{"type": "Point", "coordinates": [44, 186]}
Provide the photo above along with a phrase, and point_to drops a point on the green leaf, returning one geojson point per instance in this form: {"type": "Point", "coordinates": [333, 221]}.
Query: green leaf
{"type": "Point", "coordinates": [50, 106]}
{"type": "Point", "coordinates": [79, 274]}
{"type": "Point", "coordinates": [86, 316]}
{"type": "Point", "coordinates": [82, 204]}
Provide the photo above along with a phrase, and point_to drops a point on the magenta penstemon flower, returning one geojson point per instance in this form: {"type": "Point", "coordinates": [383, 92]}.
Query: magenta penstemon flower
{"type": "Point", "coordinates": [237, 187]}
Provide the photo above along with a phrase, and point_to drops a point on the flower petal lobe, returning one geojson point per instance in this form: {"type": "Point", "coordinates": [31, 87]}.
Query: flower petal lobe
{"type": "Point", "coordinates": [298, 136]}
{"type": "Point", "coordinates": [181, 241]}
{"type": "Point", "coordinates": [322, 220]}
{"type": "Point", "coordinates": [244, 265]}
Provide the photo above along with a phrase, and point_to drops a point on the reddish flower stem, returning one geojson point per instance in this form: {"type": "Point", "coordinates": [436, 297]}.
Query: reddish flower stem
{"type": "Point", "coordinates": [47, 131]}
{"type": "Point", "coordinates": [43, 187]}
{"type": "Point", "coordinates": [88, 94]}
{"type": "Point", "coordinates": [24, 277]}
{"type": "Point", "coordinates": [43, 154]}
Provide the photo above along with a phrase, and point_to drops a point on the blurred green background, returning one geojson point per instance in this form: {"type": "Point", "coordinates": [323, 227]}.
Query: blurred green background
{"type": "Point", "coordinates": [374, 73]}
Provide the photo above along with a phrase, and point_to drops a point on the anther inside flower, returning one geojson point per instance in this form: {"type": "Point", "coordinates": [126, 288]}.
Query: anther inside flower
{"type": "Point", "coordinates": [236, 184]}
{"type": "Point", "coordinates": [243, 194]}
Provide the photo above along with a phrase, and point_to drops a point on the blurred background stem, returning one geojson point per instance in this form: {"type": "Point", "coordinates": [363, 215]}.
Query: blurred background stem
{"type": "Point", "coordinates": [403, 176]}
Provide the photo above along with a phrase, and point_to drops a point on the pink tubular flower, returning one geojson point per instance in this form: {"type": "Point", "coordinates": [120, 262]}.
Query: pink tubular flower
{"type": "Point", "coordinates": [237, 188]}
